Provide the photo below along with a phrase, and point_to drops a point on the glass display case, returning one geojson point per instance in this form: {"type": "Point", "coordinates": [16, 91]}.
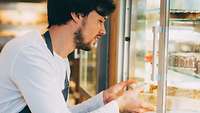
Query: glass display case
{"type": "Point", "coordinates": [183, 55]}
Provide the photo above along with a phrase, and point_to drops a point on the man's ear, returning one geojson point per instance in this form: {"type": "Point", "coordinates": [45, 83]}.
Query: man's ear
{"type": "Point", "coordinates": [76, 17]}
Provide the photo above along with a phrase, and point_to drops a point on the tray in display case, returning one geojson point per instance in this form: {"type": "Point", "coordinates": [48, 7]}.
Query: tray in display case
{"type": "Point", "coordinates": [186, 63]}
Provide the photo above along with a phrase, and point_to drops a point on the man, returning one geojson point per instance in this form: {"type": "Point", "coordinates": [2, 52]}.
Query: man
{"type": "Point", "coordinates": [33, 67]}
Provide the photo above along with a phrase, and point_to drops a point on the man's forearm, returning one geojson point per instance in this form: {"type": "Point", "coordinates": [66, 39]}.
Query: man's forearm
{"type": "Point", "coordinates": [89, 105]}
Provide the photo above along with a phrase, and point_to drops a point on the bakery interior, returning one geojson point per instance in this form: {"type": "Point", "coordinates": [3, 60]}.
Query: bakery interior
{"type": "Point", "coordinates": [142, 57]}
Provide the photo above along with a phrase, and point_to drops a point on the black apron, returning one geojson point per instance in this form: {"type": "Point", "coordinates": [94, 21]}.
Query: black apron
{"type": "Point", "coordinates": [66, 89]}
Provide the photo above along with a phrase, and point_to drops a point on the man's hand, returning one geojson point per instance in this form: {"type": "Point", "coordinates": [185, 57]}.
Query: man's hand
{"type": "Point", "coordinates": [116, 91]}
{"type": "Point", "coordinates": [129, 102]}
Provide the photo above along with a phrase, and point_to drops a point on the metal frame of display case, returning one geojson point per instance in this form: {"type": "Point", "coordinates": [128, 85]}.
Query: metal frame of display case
{"type": "Point", "coordinates": [126, 39]}
{"type": "Point", "coordinates": [163, 56]}
{"type": "Point", "coordinates": [120, 43]}
{"type": "Point", "coordinates": [123, 18]}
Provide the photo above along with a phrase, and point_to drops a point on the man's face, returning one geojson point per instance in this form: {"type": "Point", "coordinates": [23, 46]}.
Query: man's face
{"type": "Point", "coordinates": [90, 31]}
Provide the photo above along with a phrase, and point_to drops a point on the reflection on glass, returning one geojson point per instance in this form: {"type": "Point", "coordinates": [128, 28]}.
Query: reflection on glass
{"type": "Point", "coordinates": [88, 72]}
{"type": "Point", "coordinates": [145, 21]}
{"type": "Point", "coordinates": [184, 57]}
{"type": "Point", "coordinates": [144, 46]}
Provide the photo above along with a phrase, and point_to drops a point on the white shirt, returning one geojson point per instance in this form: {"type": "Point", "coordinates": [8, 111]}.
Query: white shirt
{"type": "Point", "coordinates": [31, 75]}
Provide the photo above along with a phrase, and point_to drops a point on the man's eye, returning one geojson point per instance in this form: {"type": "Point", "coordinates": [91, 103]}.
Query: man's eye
{"type": "Point", "coordinates": [100, 21]}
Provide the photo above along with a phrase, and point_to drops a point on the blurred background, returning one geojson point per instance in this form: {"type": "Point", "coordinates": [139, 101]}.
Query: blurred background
{"type": "Point", "coordinates": [20, 16]}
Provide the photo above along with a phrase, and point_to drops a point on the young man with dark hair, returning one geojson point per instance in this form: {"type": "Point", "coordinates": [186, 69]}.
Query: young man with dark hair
{"type": "Point", "coordinates": [35, 69]}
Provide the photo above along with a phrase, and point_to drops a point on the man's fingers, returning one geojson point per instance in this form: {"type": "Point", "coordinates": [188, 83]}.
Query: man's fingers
{"type": "Point", "coordinates": [131, 81]}
{"type": "Point", "coordinates": [136, 90]}
{"type": "Point", "coordinates": [147, 106]}
{"type": "Point", "coordinates": [141, 109]}
{"type": "Point", "coordinates": [127, 83]}
{"type": "Point", "coordinates": [138, 110]}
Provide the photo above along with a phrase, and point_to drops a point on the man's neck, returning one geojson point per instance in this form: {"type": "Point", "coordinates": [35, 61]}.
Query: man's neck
{"type": "Point", "coordinates": [62, 39]}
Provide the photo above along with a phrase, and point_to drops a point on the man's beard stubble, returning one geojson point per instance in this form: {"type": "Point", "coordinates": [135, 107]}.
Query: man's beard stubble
{"type": "Point", "coordinates": [78, 40]}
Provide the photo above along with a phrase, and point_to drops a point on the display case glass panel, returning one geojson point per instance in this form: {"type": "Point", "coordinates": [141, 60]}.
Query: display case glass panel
{"type": "Point", "coordinates": [183, 78]}
{"type": "Point", "coordinates": [144, 46]}
{"type": "Point", "coordinates": [88, 71]}
{"type": "Point", "coordinates": [145, 20]}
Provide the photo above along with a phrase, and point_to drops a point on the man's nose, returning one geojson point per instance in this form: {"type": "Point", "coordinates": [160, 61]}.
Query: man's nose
{"type": "Point", "coordinates": [103, 30]}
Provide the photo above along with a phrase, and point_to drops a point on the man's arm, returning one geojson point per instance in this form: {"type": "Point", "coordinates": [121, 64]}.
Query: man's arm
{"type": "Point", "coordinates": [37, 81]}
{"type": "Point", "coordinates": [89, 105]}
{"type": "Point", "coordinates": [116, 99]}
{"type": "Point", "coordinates": [111, 107]}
